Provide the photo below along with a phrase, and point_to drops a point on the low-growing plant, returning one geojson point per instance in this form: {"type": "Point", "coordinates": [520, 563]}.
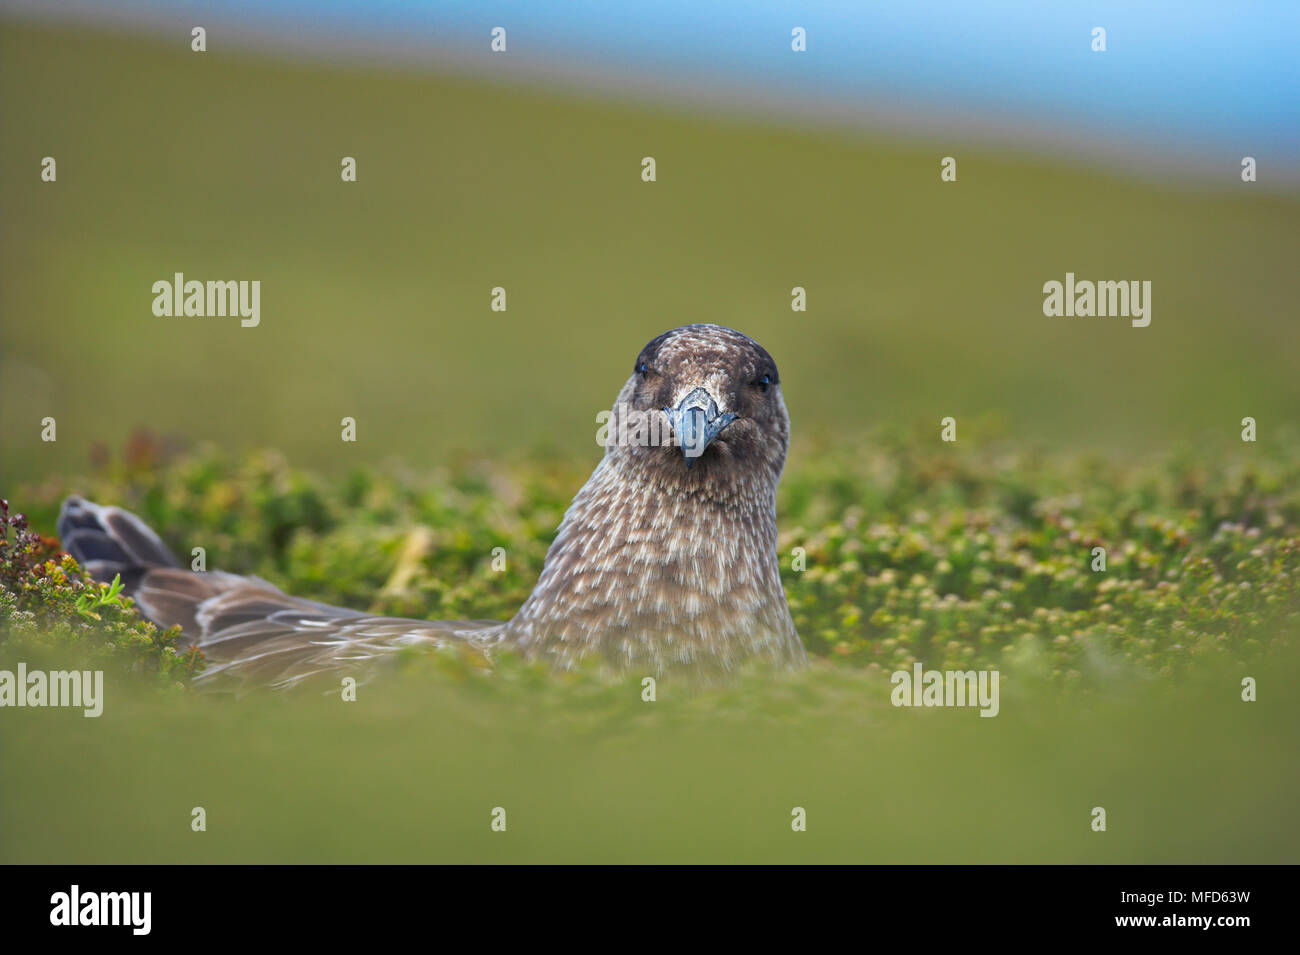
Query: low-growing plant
{"type": "Point", "coordinates": [984, 557]}
{"type": "Point", "coordinates": [48, 604]}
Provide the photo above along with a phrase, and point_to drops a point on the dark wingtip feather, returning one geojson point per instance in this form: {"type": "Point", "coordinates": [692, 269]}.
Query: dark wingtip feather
{"type": "Point", "coordinates": [109, 541]}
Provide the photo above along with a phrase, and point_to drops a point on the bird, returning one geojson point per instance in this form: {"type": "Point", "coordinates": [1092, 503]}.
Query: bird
{"type": "Point", "coordinates": [664, 563]}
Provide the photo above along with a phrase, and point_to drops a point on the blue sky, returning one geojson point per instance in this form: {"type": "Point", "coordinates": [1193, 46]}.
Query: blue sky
{"type": "Point", "coordinates": [1207, 79]}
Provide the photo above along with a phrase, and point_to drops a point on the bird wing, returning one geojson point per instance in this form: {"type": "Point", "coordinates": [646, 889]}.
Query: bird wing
{"type": "Point", "coordinates": [251, 632]}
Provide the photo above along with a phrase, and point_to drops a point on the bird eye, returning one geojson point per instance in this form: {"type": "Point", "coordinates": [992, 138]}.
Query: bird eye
{"type": "Point", "coordinates": [642, 367]}
{"type": "Point", "coordinates": [763, 382]}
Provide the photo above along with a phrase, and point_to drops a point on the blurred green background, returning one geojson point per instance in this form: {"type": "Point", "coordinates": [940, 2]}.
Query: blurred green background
{"type": "Point", "coordinates": [924, 297]}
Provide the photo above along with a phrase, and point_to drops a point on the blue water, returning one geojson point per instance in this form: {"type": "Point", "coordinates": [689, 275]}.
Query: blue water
{"type": "Point", "coordinates": [1209, 78]}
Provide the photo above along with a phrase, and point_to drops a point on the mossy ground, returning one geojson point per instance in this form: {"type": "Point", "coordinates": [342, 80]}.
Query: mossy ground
{"type": "Point", "coordinates": [905, 550]}
{"type": "Point", "coordinates": [1120, 689]}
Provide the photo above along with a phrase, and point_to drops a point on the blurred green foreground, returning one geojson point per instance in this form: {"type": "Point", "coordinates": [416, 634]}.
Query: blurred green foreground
{"type": "Point", "coordinates": [412, 771]}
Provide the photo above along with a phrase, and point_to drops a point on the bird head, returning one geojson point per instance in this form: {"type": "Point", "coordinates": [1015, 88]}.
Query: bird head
{"type": "Point", "coordinates": [667, 558]}
{"type": "Point", "coordinates": [703, 403]}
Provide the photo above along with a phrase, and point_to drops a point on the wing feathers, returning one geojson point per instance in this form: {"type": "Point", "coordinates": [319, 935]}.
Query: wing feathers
{"type": "Point", "coordinates": [251, 632]}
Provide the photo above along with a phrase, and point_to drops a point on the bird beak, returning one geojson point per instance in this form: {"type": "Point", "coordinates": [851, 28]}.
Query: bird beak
{"type": "Point", "coordinates": [696, 422]}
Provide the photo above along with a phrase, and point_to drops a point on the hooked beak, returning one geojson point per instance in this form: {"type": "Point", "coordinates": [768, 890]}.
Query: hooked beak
{"type": "Point", "coordinates": [696, 422]}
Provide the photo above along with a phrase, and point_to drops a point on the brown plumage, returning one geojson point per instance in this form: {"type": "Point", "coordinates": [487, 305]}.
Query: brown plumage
{"type": "Point", "coordinates": [666, 560]}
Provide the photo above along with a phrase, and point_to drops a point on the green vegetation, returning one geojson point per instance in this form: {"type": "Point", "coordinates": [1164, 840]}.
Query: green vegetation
{"type": "Point", "coordinates": [912, 550]}
{"type": "Point", "coordinates": [49, 608]}
{"type": "Point", "coordinates": [1120, 688]}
